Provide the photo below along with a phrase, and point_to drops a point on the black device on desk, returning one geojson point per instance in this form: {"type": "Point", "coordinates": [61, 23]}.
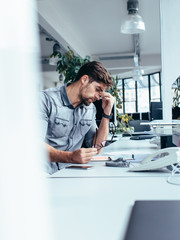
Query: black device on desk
{"type": "Point", "coordinates": [154, 220]}
{"type": "Point", "coordinates": [142, 137]}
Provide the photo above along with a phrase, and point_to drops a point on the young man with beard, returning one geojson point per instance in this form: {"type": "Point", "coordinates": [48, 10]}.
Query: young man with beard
{"type": "Point", "coordinates": [69, 116]}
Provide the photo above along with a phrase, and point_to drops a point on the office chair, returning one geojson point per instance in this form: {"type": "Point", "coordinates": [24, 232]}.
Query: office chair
{"type": "Point", "coordinates": [175, 112]}
{"type": "Point", "coordinates": [156, 110]}
{"type": "Point", "coordinates": [145, 116]}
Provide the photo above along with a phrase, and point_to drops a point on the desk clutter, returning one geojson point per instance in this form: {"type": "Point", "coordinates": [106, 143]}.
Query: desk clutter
{"type": "Point", "coordinates": [128, 165]}
{"type": "Point", "coordinates": [163, 161]}
{"type": "Point", "coordinates": [119, 162]}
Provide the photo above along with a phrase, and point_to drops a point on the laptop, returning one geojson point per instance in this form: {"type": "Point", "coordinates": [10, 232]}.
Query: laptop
{"type": "Point", "coordinates": [154, 220]}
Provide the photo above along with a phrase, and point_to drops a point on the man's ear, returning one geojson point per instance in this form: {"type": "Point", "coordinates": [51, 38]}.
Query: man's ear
{"type": "Point", "coordinates": [84, 79]}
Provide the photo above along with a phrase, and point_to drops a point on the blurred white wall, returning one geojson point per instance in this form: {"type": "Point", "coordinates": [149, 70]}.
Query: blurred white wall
{"type": "Point", "coordinates": [24, 193]}
{"type": "Point", "coordinates": [170, 51]}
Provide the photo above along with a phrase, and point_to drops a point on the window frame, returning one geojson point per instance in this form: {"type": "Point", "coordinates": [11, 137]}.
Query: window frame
{"type": "Point", "coordinates": [136, 91]}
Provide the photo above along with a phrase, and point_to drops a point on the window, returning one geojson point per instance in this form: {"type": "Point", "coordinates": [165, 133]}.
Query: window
{"type": "Point", "coordinates": [143, 95]}
{"type": "Point", "coordinates": [137, 95]}
{"type": "Point", "coordinates": [155, 87]}
{"type": "Point", "coordinates": [129, 96]}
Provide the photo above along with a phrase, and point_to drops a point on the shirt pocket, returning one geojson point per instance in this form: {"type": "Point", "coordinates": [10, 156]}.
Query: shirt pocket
{"type": "Point", "coordinates": [60, 127]}
{"type": "Point", "coordinates": [85, 125]}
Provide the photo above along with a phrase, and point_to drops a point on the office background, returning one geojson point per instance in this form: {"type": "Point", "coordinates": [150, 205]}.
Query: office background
{"type": "Point", "coordinates": [23, 193]}
{"type": "Point", "coordinates": [72, 23]}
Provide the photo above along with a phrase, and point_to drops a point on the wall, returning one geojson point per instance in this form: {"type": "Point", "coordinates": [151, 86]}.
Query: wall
{"type": "Point", "coordinates": [170, 51]}
{"type": "Point", "coordinates": [50, 79]}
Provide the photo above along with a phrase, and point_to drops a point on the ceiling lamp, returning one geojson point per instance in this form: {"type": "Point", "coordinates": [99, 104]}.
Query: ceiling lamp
{"type": "Point", "coordinates": [134, 23]}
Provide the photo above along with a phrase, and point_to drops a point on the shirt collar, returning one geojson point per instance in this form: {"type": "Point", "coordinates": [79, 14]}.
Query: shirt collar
{"type": "Point", "coordinates": [65, 97]}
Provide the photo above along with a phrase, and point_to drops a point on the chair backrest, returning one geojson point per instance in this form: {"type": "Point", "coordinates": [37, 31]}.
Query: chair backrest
{"type": "Point", "coordinates": [175, 112]}
{"type": "Point", "coordinates": [156, 110]}
{"type": "Point", "coordinates": [145, 116]}
{"type": "Point", "coordinates": [138, 127]}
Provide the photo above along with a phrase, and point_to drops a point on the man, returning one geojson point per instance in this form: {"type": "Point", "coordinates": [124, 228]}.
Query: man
{"type": "Point", "coordinates": [69, 117]}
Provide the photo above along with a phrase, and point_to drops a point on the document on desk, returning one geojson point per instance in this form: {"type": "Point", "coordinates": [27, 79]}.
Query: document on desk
{"type": "Point", "coordinates": [100, 158]}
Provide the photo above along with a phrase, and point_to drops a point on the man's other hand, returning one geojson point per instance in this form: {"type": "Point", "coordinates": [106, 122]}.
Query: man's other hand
{"type": "Point", "coordinates": [107, 102]}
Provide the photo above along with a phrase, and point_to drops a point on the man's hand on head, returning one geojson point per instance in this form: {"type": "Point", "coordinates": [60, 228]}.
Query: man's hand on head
{"type": "Point", "coordinates": [107, 102]}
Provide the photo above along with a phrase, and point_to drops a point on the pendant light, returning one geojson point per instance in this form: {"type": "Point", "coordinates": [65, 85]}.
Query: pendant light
{"type": "Point", "coordinates": [134, 23]}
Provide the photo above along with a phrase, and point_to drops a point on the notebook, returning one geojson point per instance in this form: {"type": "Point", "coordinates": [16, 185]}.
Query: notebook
{"type": "Point", "coordinates": [154, 220]}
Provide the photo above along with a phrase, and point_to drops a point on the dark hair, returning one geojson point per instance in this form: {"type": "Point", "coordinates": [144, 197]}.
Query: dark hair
{"type": "Point", "coordinates": [96, 72]}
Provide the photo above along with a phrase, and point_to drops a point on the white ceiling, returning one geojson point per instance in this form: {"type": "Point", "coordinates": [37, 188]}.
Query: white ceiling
{"type": "Point", "coordinates": [93, 28]}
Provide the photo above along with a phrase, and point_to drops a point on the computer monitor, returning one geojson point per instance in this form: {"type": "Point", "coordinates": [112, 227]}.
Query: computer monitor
{"type": "Point", "coordinates": [136, 116]}
{"type": "Point", "coordinates": [156, 110]}
{"type": "Point", "coordinates": [145, 115]}
{"type": "Point", "coordinates": [98, 105]}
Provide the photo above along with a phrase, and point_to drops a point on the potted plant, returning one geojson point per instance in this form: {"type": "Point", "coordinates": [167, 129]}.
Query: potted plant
{"type": "Point", "coordinates": [123, 124]}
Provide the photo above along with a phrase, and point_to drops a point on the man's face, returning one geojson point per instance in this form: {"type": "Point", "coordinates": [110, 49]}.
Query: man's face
{"type": "Point", "coordinates": [92, 91]}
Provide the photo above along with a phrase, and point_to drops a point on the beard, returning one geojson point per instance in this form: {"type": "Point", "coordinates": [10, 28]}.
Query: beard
{"type": "Point", "coordinates": [87, 101]}
{"type": "Point", "coordinates": [83, 96]}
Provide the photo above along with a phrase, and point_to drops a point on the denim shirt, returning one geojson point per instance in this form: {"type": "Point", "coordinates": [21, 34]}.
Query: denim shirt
{"type": "Point", "coordinates": [63, 126]}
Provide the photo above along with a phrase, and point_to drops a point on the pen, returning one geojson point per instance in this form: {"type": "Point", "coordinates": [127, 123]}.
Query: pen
{"type": "Point", "coordinates": [96, 137]}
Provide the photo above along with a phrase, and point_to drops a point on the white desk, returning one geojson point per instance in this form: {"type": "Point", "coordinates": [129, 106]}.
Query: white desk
{"type": "Point", "coordinates": [162, 123]}
{"type": "Point", "coordinates": [98, 207]}
{"type": "Point", "coordinates": [125, 145]}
